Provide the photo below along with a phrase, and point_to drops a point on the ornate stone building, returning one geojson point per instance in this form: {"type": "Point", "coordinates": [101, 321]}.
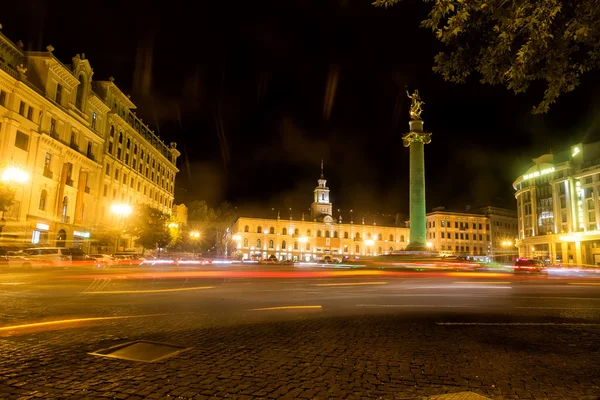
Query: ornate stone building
{"type": "Point", "coordinates": [319, 237]}
{"type": "Point", "coordinates": [79, 146]}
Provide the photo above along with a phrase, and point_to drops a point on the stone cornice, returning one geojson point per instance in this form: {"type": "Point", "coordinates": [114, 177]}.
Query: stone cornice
{"type": "Point", "coordinates": [114, 89]}
{"type": "Point", "coordinates": [60, 70]}
{"type": "Point", "coordinates": [64, 149]}
{"type": "Point", "coordinates": [97, 102]}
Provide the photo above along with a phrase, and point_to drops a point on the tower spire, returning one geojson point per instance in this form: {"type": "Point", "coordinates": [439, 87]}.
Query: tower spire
{"type": "Point", "coordinates": [322, 175]}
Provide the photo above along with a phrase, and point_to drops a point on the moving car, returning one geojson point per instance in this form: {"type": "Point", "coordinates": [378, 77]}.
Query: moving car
{"type": "Point", "coordinates": [529, 266]}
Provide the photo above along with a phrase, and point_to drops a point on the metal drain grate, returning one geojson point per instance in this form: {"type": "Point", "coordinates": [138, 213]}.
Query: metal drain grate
{"type": "Point", "coordinates": [141, 350]}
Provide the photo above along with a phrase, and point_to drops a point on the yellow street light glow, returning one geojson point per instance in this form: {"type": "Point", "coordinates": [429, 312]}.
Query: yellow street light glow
{"type": "Point", "coordinates": [369, 242]}
{"type": "Point", "coordinates": [14, 174]}
{"type": "Point", "coordinates": [303, 239]}
{"type": "Point", "coordinates": [237, 238]}
{"type": "Point", "coordinates": [173, 225]}
{"type": "Point", "coordinates": [122, 210]}
{"type": "Point", "coordinates": [194, 234]}
{"type": "Point", "coordinates": [429, 244]}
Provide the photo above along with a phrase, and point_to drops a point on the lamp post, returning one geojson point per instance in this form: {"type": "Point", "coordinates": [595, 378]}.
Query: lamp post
{"type": "Point", "coordinates": [11, 177]}
{"type": "Point", "coordinates": [303, 240]}
{"type": "Point", "coordinates": [194, 236]}
{"type": "Point", "coordinates": [122, 211]}
{"type": "Point", "coordinates": [369, 243]}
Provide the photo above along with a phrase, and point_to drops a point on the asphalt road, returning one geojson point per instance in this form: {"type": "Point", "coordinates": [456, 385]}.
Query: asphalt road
{"type": "Point", "coordinates": [281, 332]}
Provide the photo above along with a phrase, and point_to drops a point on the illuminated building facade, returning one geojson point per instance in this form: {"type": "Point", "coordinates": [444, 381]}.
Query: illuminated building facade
{"type": "Point", "coordinates": [558, 209]}
{"type": "Point", "coordinates": [61, 129]}
{"type": "Point", "coordinates": [317, 237]}
{"type": "Point", "coordinates": [483, 232]}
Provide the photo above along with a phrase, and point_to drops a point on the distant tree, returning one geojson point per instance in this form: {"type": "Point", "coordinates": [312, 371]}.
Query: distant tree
{"type": "Point", "coordinates": [516, 42]}
{"type": "Point", "coordinates": [213, 224]}
{"type": "Point", "coordinates": [150, 226]}
{"type": "Point", "coordinates": [104, 239]}
{"type": "Point", "coordinates": [7, 197]}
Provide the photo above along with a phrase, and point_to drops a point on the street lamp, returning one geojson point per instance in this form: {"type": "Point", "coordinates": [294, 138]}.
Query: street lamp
{"type": "Point", "coordinates": [303, 240]}
{"type": "Point", "coordinates": [194, 236]}
{"type": "Point", "coordinates": [369, 243]}
{"type": "Point", "coordinates": [429, 245]}
{"type": "Point", "coordinates": [122, 211]}
{"type": "Point", "coordinates": [12, 174]}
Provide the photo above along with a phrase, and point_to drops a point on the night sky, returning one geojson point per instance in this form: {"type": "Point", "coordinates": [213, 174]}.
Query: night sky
{"type": "Point", "coordinates": [242, 88]}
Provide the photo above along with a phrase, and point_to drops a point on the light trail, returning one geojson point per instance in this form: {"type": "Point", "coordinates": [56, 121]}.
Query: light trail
{"type": "Point", "coordinates": [286, 308]}
{"type": "Point", "coordinates": [74, 320]}
{"type": "Point", "coordinates": [150, 290]}
{"type": "Point", "coordinates": [482, 283]}
{"type": "Point", "coordinates": [349, 284]}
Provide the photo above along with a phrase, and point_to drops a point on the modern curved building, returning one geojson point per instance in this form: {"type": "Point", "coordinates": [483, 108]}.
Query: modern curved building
{"type": "Point", "coordinates": [557, 205]}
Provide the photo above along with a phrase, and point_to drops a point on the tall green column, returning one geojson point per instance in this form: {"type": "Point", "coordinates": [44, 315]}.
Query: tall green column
{"type": "Point", "coordinates": [416, 140]}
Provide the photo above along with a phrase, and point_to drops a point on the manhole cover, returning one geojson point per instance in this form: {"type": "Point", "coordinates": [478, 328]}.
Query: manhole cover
{"type": "Point", "coordinates": [458, 396]}
{"type": "Point", "coordinates": [141, 351]}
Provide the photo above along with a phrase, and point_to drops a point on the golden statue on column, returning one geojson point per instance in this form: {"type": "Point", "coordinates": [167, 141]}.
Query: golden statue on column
{"type": "Point", "coordinates": [416, 105]}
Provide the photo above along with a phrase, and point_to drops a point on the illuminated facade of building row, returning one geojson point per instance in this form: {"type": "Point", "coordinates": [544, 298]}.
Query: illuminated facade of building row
{"type": "Point", "coordinates": [315, 238]}
{"type": "Point", "coordinates": [558, 208]}
{"type": "Point", "coordinates": [79, 143]}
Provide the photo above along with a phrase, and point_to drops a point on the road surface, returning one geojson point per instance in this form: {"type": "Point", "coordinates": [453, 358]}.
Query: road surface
{"type": "Point", "coordinates": [252, 332]}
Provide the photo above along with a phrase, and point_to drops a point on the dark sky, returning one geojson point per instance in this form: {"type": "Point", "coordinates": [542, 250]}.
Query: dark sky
{"type": "Point", "coordinates": [241, 87]}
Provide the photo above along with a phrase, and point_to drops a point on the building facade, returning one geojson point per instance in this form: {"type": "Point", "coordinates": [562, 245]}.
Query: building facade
{"type": "Point", "coordinates": [558, 208]}
{"type": "Point", "coordinates": [483, 232]}
{"type": "Point", "coordinates": [69, 135]}
{"type": "Point", "coordinates": [319, 237]}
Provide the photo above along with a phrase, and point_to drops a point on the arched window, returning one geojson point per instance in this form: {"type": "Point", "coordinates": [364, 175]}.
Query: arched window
{"type": "Point", "coordinates": [296, 231]}
{"type": "Point", "coordinates": [335, 234]}
{"type": "Point", "coordinates": [402, 238]}
{"type": "Point", "coordinates": [135, 149]}
{"type": "Point", "coordinates": [245, 242]}
{"type": "Point", "coordinates": [271, 244]}
{"type": "Point", "coordinates": [391, 238]}
{"type": "Point", "coordinates": [284, 231]}
{"type": "Point", "coordinates": [380, 251]}
{"type": "Point", "coordinates": [308, 233]}
{"type": "Point", "coordinates": [283, 245]}
{"type": "Point", "coordinates": [391, 249]}
{"type": "Point", "coordinates": [357, 236]}
{"type": "Point", "coordinates": [79, 98]}
{"type": "Point", "coordinates": [318, 233]}
{"type": "Point", "coordinates": [272, 230]}
{"type": "Point", "coordinates": [112, 131]}
{"type": "Point", "coordinates": [246, 228]}
{"type": "Point", "coordinates": [121, 137]}
{"type": "Point", "coordinates": [380, 237]}
{"type": "Point", "coordinates": [43, 197]}
{"type": "Point", "coordinates": [327, 234]}
{"type": "Point", "coordinates": [128, 143]}
{"type": "Point", "coordinates": [345, 248]}
{"type": "Point", "coordinates": [259, 229]}
{"type": "Point", "coordinates": [345, 235]}
{"type": "Point", "coordinates": [258, 244]}
{"type": "Point", "coordinates": [323, 196]}
{"type": "Point", "coordinates": [357, 249]}
{"type": "Point", "coordinates": [65, 204]}
{"type": "Point", "coordinates": [295, 245]}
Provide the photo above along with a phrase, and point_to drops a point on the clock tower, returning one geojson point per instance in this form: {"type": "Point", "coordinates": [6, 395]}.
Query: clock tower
{"type": "Point", "coordinates": [321, 206]}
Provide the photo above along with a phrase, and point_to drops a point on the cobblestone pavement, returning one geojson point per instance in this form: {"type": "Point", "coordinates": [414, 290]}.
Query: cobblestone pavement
{"type": "Point", "coordinates": [305, 354]}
